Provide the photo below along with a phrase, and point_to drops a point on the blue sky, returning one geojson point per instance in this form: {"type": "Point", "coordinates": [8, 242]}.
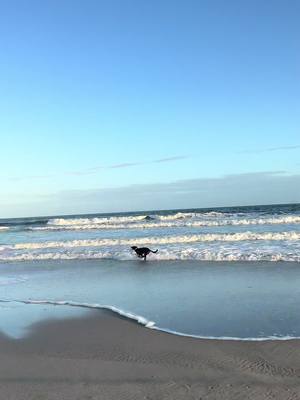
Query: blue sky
{"type": "Point", "coordinates": [104, 101]}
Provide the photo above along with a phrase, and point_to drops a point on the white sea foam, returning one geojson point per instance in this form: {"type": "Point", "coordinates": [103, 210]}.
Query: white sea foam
{"type": "Point", "coordinates": [144, 321]}
{"type": "Point", "coordinates": [295, 219]}
{"type": "Point", "coordinates": [228, 237]}
{"type": "Point", "coordinates": [168, 253]}
{"type": "Point", "coordinates": [170, 221]}
{"type": "Point", "coordinates": [4, 228]}
{"type": "Point", "coordinates": [130, 218]}
{"type": "Point", "coordinates": [183, 215]}
{"type": "Point", "coordinates": [96, 220]}
{"type": "Point", "coordinates": [139, 319]}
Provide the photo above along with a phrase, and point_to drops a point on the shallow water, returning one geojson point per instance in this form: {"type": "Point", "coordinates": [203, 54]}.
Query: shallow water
{"type": "Point", "coordinates": [255, 300]}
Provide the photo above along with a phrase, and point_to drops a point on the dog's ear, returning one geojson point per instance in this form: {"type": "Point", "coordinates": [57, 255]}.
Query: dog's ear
{"type": "Point", "coordinates": [133, 247]}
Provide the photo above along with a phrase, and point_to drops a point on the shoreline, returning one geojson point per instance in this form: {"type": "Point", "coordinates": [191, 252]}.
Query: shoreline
{"type": "Point", "coordinates": [143, 321]}
{"type": "Point", "coordinates": [104, 356]}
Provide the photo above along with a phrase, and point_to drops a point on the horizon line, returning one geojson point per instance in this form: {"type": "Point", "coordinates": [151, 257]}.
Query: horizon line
{"type": "Point", "coordinates": [146, 211]}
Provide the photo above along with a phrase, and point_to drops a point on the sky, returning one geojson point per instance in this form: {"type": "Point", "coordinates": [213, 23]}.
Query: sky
{"type": "Point", "coordinates": [120, 105]}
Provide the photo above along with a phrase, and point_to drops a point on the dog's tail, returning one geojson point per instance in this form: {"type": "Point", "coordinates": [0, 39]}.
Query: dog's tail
{"type": "Point", "coordinates": [154, 251]}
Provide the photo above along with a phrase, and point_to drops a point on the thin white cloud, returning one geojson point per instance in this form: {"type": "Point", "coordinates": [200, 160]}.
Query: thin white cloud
{"type": "Point", "coordinates": [163, 160]}
{"type": "Point", "coordinates": [125, 165]}
{"type": "Point", "coordinates": [96, 169]}
{"type": "Point", "coordinates": [270, 149]}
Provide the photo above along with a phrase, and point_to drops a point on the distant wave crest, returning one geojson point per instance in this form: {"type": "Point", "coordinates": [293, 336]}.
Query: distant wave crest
{"type": "Point", "coordinates": [189, 220]}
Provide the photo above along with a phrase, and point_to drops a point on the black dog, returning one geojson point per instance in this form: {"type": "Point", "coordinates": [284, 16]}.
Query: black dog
{"type": "Point", "coordinates": [142, 252]}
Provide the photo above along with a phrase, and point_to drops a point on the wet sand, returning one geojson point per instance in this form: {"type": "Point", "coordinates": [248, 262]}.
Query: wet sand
{"type": "Point", "coordinates": [102, 356]}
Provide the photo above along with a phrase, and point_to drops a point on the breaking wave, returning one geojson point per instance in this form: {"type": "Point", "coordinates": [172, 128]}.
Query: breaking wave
{"type": "Point", "coordinates": [188, 220]}
{"type": "Point", "coordinates": [131, 218]}
{"type": "Point", "coordinates": [213, 237]}
{"type": "Point", "coordinates": [213, 253]}
{"type": "Point", "coordinates": [269, 233]}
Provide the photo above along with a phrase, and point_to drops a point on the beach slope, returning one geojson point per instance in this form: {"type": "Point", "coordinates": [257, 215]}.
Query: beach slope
{"type": "Point", "coordinates": [102, 356]}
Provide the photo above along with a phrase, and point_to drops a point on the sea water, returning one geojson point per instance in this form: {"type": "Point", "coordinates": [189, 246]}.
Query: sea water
{"type": "Point", "coordinates": [219, 273]}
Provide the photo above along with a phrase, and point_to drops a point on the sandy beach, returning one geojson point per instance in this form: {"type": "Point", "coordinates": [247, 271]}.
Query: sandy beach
{"type": "Point", "coordinates": [102, 356]}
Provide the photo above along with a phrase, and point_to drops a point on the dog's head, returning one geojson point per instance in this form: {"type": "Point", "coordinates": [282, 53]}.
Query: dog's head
{"type": "Point", "coordinates": [134, 247]}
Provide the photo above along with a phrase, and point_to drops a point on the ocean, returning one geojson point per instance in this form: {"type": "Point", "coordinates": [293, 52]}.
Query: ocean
{"type": "Point", "coordinates": [225, 273]}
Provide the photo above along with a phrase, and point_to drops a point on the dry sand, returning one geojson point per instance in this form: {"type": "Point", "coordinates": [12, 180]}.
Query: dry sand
{"type": "Point", "coordinates": [106, 357]}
